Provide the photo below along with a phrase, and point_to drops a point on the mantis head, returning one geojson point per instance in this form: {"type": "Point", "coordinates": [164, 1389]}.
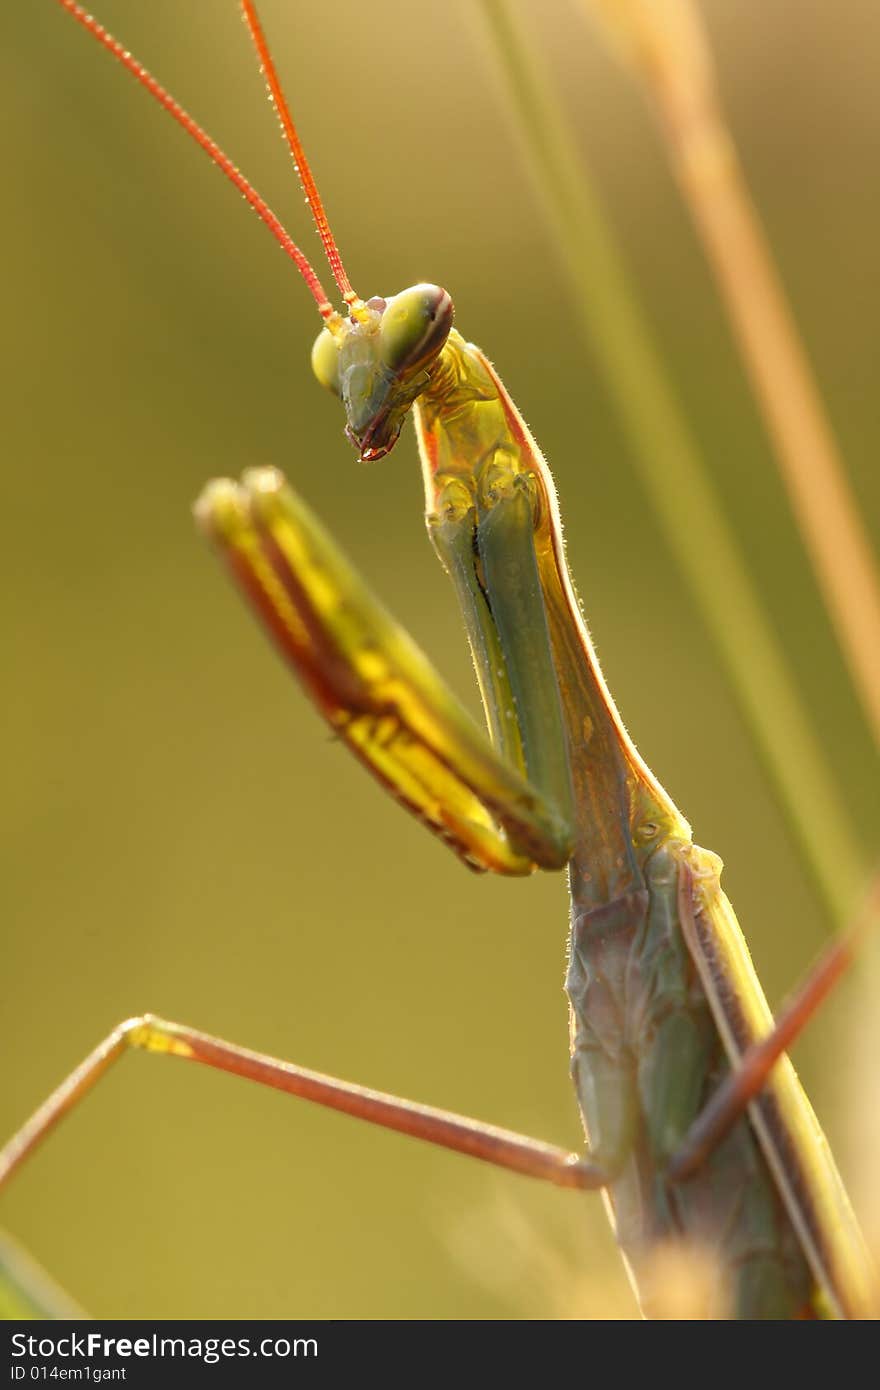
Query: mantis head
{"type": "Point", "coordinates": [380, 359]}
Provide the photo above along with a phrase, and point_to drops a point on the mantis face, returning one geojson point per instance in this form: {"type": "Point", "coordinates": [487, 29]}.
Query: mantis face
{"type": "Point", "coordinates": [380, 359]}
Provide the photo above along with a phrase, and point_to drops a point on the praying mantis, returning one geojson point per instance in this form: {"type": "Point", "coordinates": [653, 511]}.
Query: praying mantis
{"type": "Point", "coordinates": [553, 798]}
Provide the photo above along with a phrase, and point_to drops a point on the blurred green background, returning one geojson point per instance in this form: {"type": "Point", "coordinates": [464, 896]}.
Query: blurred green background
{"type": "Point", "coordinates": [179, 832]}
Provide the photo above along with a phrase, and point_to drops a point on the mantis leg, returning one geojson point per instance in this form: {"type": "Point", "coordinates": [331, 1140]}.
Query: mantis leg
{"type": "Point", "coordinates": [373, 685]}
{"type": "Point", "coordinates": [487, 547]}
{"type": "Point", "coordinates": [748, 1078]}
{"type": "Point", "coordinates": [501, 1147]}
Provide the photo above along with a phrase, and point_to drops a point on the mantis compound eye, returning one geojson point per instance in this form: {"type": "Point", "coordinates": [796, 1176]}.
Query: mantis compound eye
{"type": "Point", "coordinates": [414, 327]}
{"type": "Point", "coordinates": [325, 361]}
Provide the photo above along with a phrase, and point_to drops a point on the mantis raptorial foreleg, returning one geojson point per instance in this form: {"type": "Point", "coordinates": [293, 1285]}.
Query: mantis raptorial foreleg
{"type": "Point", "coordinates": [372, 683]}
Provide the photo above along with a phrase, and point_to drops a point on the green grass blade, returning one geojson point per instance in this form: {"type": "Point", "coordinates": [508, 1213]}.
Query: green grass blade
{"type": "Point", "coordinates": [668, 462]}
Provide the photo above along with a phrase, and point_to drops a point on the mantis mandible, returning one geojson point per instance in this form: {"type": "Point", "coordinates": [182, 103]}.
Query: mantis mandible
{"type": "Point", "coordinates": [567, 788]}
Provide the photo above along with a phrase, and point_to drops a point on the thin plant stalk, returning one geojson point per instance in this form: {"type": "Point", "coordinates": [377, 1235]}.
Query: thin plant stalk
{"type": "Point", "coordinates": [668, 462]}
{"type": "Point", "coordinates": [27, 1291]}
{"type": "Point", "coordinates": [666, 46]}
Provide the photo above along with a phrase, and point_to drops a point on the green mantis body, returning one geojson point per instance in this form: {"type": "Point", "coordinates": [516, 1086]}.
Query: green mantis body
{"type": "Point", "coordinates": [662, 991]}
{"type": "Point", "coordinates": [663, 996]}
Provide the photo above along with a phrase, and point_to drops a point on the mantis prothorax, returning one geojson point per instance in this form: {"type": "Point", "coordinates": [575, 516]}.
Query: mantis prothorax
{"type": "Point", "coordinates": [665, 1003]}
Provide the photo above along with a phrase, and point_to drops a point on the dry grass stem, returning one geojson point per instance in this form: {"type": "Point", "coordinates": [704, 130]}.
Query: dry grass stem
{"type": "Point", "coordinates": [666, 46]}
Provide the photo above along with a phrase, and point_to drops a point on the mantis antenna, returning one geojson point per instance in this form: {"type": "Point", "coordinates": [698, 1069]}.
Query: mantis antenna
{"type": "Point", "coordinates": [235, 176]}
{"type": "Point", "coordinates": [294, 144]}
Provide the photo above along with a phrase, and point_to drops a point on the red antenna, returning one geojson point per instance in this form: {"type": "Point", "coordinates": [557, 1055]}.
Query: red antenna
{"type": "Point", "coordinates": [300, 163]}
{"type": "Point", "coordinates": [223, 162]}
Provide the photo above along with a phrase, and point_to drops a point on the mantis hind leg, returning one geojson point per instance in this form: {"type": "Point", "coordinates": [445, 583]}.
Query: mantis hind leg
{"type": "Point", "coordinates": [748, 1078]}
{"type": "Point", "coordinates": [501, 1147]}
